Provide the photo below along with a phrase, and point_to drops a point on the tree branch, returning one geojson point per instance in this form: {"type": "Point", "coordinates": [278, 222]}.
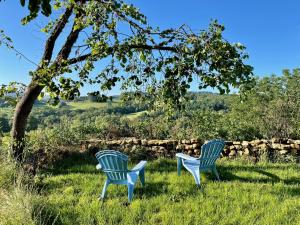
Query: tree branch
{"type": "Point", "coordinates": [143, 47]}
{"type": "Point", "coordinates": [72, 37]}
{"type": "Point", "coordinates": [55, 33]}
{"type": "Point", "coordinates": [78, 59]}
{"type": "Point", "coordinates": [67, 47]}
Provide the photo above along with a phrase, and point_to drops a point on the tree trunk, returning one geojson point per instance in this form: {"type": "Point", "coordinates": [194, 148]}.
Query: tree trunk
{"type": "Point", "coordinates": [33, 90]}
{"type": "Point", "coordinates": [21, 114]}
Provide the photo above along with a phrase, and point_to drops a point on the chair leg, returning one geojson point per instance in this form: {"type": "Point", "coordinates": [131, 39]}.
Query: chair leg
{"type": "Point", "coordinates": [130, 191]}
{"type": "Point", "coordinates": [194, 170]}
{"type": "Point", "coordinates": [179, 165]}
{"type": "Point", "coordinates": [214, 169]}
{"type": "Point", "coordinates": [142, 176]}
{"type": "Point", "coordinates": [104, 188]}
{"type": "Point", "coordinates": [196, 175]}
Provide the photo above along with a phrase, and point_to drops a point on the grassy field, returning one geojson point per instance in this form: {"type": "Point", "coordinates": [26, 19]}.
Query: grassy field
{"type": "Point", "coordinates": [6, 109]}
{"type": "Point", "coordinates": [133, 116]}
{"type": "Point", "coordinates": [88, 105]}
{"type": "Point", "coordinates": [248, 194]}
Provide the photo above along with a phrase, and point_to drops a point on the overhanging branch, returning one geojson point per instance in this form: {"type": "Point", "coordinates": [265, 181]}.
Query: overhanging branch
{"type": "Point", "coordinates": [142, 47]}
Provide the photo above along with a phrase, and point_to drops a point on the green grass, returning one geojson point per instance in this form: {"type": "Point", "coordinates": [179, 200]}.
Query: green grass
{"type": "Point", "coordinates": [84, 105]}
{"type": "Point", "coordinates": [133, 116]}
{"type": "Point", "coordinates": [247, 194]}
{"type": "Point", "coordinates": [6, 109]}
{"type": "Point", "coordinates": [88, 105]}
{"type": "Point", "coordinates": [16, 196]}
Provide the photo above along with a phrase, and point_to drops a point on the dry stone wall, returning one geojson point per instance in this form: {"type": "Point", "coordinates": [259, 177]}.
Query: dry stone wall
{"type": "Point", "coordinates": [168, 148]}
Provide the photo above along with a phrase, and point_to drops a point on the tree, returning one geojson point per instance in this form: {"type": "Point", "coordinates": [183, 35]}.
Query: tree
{"type": "Point", "coordinates": [160, 62]}
{"type": "Point", "coordinates": [275, 103]}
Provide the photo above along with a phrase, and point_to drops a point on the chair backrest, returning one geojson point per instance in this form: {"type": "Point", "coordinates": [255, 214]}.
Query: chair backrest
{"type": "Point", "coordinates": [114, 164]}
{"type": "Point", "coordinates": [210, 152]}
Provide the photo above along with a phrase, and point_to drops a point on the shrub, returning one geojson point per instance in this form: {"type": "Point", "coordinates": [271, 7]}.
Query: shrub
{"type": "Point", "coordinates": [153, 125]}
{"type": "Point", "coordinates": [66, 133]}
{"type": "Point", "coordinates": [113, 126]}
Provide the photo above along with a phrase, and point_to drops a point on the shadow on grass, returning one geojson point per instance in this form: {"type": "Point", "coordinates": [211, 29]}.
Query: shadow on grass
{"type": "Point", "coordinates": [162, 165]}
{"type": "Point", "coordinates": [149, 190]}
{"type": "Point", "coordinates": [85, 163]}
{"type": "Point", "coordinates": [227, 174]}
{"type": "Point", "coordinates": [156, 190]}
{"type": "Point", "coordinates": [75, 162]}
{"type": "Point", "coordinates": [292, 191]}
{"type": "Point", "coordinates": [268, 166]}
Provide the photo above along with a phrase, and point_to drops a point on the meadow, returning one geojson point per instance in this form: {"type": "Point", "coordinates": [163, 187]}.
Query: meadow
{"type": "Point", "coordinates": [263, 193]}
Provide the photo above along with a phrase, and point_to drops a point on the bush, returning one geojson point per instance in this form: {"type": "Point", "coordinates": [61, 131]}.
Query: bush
{"type": "Point", "coordinates": [5, 122]}
{"type": "Point", "coordinates": [113, 126]}
{"type": "Point", "coordinates": [66, 133]}
{"type": "Point", "coordinates": [153, 126]}
{"type": "Point", "coordinates": [62, 104]}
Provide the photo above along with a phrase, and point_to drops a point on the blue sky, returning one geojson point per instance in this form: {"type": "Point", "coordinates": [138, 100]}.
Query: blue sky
{"type": "Point", "coordinates": [270, 29]}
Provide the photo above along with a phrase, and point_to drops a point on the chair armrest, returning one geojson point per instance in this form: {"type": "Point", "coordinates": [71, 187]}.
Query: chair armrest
{"type": "Point", "coordinates": [98, 166]}
{"type": "Point", "coordinates": [139, 166]}
{"type": "Point", "coordinates": [184, 156]}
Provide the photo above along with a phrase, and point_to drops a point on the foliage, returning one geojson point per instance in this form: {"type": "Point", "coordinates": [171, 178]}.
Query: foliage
{"type": "Point", "coordinates": [12, 92]}
{"type": "Point", "coordinates": [34, 7]}
{"type": "Point", "coordinates": [202, 124]}
{"type": "Point", "coordinates": [65, 133]}
{"type": "Point", "coordinates": [97, 97]}
{"type": "Point", "coordinates": [112, 126]}
{"type": "Point", "coordinates": [4, 123]}
{"type": "Point", "coordinates": [133, 53]}
{"type": "Point", "coordinates": [4, 39]}
{"type": "Point", "coordinates": [275, 103]}
{"type": "Point", "coordinates": [153, 125]}
{"type": "Point", "coordinates": [272, 109]}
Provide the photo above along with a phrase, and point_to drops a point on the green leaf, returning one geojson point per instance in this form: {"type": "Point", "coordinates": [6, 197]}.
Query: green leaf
{"type": "Point", "coordinates": [22, 2]}
{"type": "Point", "coordinates": [142, 57]}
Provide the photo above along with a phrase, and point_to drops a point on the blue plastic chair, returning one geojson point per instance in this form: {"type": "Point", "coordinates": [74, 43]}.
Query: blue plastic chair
{"type": "Point", "coordinates": [210, 152]}
{"type": "Point", "coordinates": [114, 165]}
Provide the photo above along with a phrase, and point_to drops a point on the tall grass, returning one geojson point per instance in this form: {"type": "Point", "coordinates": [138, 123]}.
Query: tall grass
{"type": "Point", "coordinates": [17, 196]}
{"type": "Point", "coordinates": [16, 206]}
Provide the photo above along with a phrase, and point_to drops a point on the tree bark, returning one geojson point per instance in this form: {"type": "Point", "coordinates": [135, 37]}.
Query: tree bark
{"type": "Point", "coordinates": [22, 112]}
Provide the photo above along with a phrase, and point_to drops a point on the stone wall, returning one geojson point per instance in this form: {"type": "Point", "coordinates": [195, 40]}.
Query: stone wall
{"type": "Point", "coordinates": [283, 148]}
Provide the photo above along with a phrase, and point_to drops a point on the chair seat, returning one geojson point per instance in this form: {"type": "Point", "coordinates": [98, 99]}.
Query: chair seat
{"type": "Point", "coordinates": [192, 162]}
{"type": "Point", "coordinates": [185, 156]}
